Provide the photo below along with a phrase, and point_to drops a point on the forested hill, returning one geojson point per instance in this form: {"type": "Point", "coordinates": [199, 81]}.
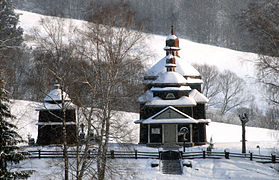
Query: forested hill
{"type": "Point", "coordinates": [205, 21]}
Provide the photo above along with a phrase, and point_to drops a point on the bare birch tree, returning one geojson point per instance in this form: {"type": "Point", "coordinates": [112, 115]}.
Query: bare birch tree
{"type": "Point", "coordinates": [55, 50]}
{"type": "Point", "coordinates": [262, 20]}
{"type": "Point", "coordinates": [231, 91]}
{"type": "Point", "coordinates": [210, 86]}
{"type": "Point", "coordinates": [111, 48]}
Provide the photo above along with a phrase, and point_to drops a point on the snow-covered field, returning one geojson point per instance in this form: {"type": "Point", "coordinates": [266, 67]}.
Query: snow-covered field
{"type": "Point", "coordinates": [223, 135]}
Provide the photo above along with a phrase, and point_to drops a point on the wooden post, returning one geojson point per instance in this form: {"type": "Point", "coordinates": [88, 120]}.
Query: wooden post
{"type": "Point", "coordinates": [39, 154]}
{"type": "Point", "coordinates": [244, 119]}
{"type": "Point", "coordinates": [243, 138]}
{"type": "Point", "coordinates": [273, 158]}
{"type": "Point", "coordinates": [203, 154]}
{"type": "Point", "coordinates": [227, 154]}
{"type": "Point", "coordinates": [112, 154]}
{"type": "Point", "coordinates": [251, 156]}
{"type": "Point", "coordinates": [136, 154]}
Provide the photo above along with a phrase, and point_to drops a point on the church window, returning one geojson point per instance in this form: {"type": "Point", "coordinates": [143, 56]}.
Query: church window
{"type": "Point", "coordinates": [170, 96]}
{"type": "Point", "coordinates": [155, 131]}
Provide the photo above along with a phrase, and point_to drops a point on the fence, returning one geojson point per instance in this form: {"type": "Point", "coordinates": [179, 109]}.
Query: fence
{"type": "Point", "coordinates": [154, 155]}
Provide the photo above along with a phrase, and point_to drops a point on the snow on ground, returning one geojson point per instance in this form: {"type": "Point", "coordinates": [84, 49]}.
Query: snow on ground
{"type": "Point", "coordinates": [225, 136]}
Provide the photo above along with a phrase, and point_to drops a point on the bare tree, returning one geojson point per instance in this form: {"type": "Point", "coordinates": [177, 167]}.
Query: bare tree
{"type": "Point", "coordinates": [210, 86]}
{"type": "Point", "coordinates": [231, 91]}
{"type": "Point", "coordinates": [56, 51]}
{"type": "Point", "coordinates": [99, 64]}
{"type": "Point", "coordinates": [110, 47]}
{"type": "Point", "coordinates": [262, 20]}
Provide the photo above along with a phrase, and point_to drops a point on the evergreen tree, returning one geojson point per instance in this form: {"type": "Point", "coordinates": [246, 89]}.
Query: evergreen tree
{"type": "Point", "coordinates": [10, 32]}
{"type": "Point", "coordinates": [9, 139]}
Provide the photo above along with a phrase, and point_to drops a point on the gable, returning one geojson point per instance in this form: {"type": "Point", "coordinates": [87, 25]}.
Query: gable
{"type": "Point", "coordinates": [169, 114]}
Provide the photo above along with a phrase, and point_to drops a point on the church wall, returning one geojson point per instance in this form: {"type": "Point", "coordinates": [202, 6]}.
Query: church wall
{"type": "Point", "coordinates": [186, 110]}
{"type": "Point", "coordinates": [52, 134]}
{"type": "Point", "coordinates": [53, 116]}
{"type": "Point", "coordinates": [148, 111]}
{"type": "Point", "coordinates": [155, 133]}
{"type": "Point", "coordinates": [143, 133]}
{"type": "Point", "coordinates": [199, 111]}
{"type": "Point", "coordinates": [195, 86]}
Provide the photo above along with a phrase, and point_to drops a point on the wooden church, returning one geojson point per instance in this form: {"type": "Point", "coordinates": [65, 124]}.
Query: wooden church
{"type": "Point", "coordinates": [50, 124]}
{"type": "Point", "coordinates": [172, 101]}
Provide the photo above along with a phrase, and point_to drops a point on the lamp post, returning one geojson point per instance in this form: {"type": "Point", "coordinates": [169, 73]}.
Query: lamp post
{"type": "Point", "coordinates": [184, 131]}
{"type": "Point", "coordinates": [259, 149]}
{"type": "Point", "coordinates": [244, 119]}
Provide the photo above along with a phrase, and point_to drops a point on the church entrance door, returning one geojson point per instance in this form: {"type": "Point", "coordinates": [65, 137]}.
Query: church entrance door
{"type": "Point", "coordinates": [169, 133]}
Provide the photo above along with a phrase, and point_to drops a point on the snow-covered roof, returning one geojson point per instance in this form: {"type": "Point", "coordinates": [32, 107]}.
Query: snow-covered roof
{"type": "Point", "coordinates": [182, 67]}
{"type": "Point", "coordinates": [181, 88]}
{"type": "Point", "coordinates": [170, 77]}
{"type": "Point", "coordinates": [56, 95]}
{"type": "Point", "coordinates": [171, 37]}
{"type": "Point", "coordinates": [183, 119]}
{"type": "Point", "coordinates": [203, 120]}
{"type": "Point", "coordinates": [168, 48]}
{"type": "Point", "coordinates": [54, 123]}
{"type": "Point", "coordinates": [183, 101]}
{"type": "Point", "coordinates": [170, 56]}
{"type": "Point", "coordinates": [169, 121]}
{"type": "Point", "coordinates": [198, 97]}
{"type": "Point", "coordinates": [147, 96]}
{"type": "Point", "coordinates": [194, 81]}
{"type": "Point", "coordinates": [56, 106]}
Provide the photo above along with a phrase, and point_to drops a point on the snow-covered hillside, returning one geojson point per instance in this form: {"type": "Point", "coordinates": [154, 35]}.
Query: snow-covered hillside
{"type": "Point", "coordinates": [223, 58]}
{"type": "Point", "coordinates": [239, 62]}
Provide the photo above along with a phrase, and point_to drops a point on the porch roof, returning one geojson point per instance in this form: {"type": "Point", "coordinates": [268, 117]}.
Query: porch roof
{"type": "Point", "coordinates": [183, 119]}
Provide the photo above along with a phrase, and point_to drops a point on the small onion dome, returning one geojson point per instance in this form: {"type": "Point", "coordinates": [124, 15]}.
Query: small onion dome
{"type": "Point", "coordinates": [170, 78]}
{"type": "Point", "coordinates": [172, 40]}
{"type": "Point", "coordinates": [56, 95]}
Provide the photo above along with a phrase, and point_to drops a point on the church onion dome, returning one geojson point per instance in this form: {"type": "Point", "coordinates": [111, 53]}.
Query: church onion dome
{"type": "Point", "coordinates": [170, 78]}
{"type": "Point", "coordinates": [182, 67]}
{"type": "Point", "coordinates": [172, 42]}
{"type": "Point", "coordinates": [198, 97]}
{"type": "Point", "coordinates": [56, 95]}
{"type": "Point", "coordinates": [183, 101]}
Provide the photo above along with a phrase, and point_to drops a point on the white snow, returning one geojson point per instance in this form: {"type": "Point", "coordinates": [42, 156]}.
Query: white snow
{"type": "Point", "coordinates": [171, 48]}
{"type": "Point", "coordinates": [181, 88]}
{"type": "Point", "coordinates": [223, 135]}
{"type": "Point", "coordinates": [183, 101]}
{"type": "Point", "coordinates": [169, 121]}
{"type": "Point", "coordinates": [170, 77]}
{"type": "Point", "coordinates": [147, 96]}
{"type": "Point", "coordinates": [194, 81]}
{"type": "Point", "coordinates": [171, 37]}
{"type": "Point", "coordinates": [49, 106]}
{"type": "Point", "coordinates": [55, 123]}
{"type": "Point", "coordinates": [56, 95]}
{"type": "Point", "coordinates": [182, 67]}
{"type": "Point", "coordinates": [198, 97]}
